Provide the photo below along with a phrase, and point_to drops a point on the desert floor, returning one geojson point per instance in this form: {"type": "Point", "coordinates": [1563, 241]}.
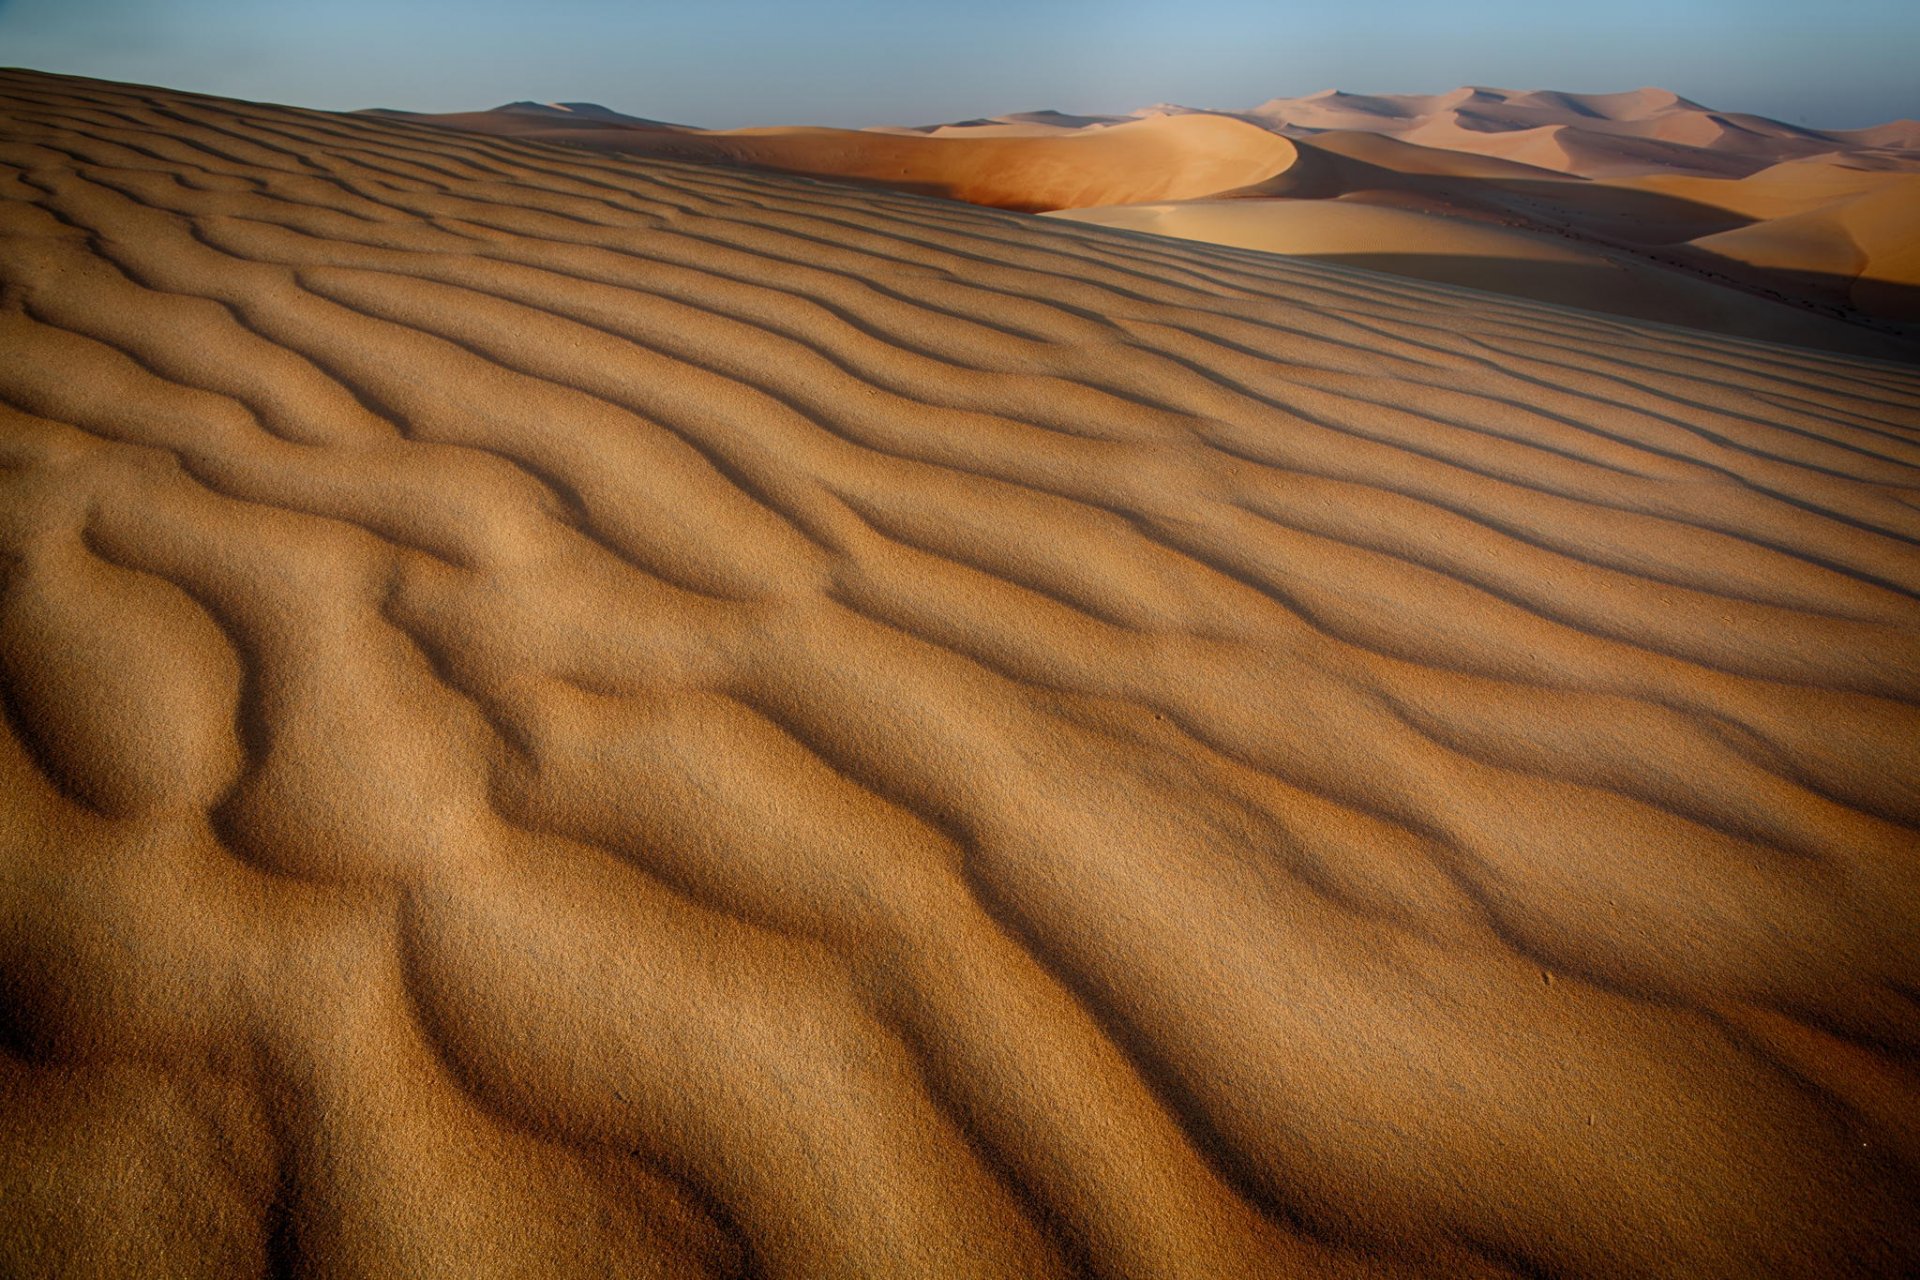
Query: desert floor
{"type": "Point", "coordinates": [572, 714]}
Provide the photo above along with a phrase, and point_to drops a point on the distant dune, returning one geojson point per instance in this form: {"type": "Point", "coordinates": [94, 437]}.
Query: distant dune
{"type": "Point", "coordinates": [1624, 194]}
{"type": "Point", "coordinates": [1591, 135]}
{"type": "Point", "coordinates": [1013, 166]}
{"type": "Point", "coordinates": [568, 714]}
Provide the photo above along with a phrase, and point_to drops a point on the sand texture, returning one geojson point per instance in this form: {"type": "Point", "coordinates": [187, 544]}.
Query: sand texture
{"type": "Point", "coordinates": [569, 715]}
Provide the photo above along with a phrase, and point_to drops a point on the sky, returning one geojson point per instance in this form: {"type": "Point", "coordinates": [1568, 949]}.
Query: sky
{"type": "Point", "coordinates": [729, 63]}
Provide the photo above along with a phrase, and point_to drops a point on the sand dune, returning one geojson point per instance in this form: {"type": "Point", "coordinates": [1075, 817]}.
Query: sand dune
{"type": "Point", "coordinates": [1519, 185]}
{"type": "Point", "coordinates": [1582, 152]}
{"type": "Point", "coordinates": [1528, 263]}
{"type": "Point", "coordinates": [591, 111]}
{"type": "Point", "coordinates": [1820, 255]}
{"type": "Point", "coordinates": [1047, 123]}
{"type": "Point", "coordinates": [567, 714]}
{"type": "Point", "coordinates": [1013, 164]}
{"type": "Point", "coordinates": [1591, 135]}
{"type": "Point", "coordinates": [1831, 227]}
{"type": "Point", "coordinates": [1868, 244]}
{"type": "Point", "coordinates": [1782, 190]}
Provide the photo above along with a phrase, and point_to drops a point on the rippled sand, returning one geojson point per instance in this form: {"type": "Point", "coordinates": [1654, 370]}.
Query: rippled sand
{"type": "Point", "coordinates": [568, 715]}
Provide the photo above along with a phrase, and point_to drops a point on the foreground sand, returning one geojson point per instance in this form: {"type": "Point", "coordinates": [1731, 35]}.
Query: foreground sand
{"type": "Point", "coordinates": [567, 715]}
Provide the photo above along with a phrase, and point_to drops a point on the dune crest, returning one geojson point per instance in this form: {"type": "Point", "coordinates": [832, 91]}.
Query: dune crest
{"type": "Point", "coordinates": [567, 714]}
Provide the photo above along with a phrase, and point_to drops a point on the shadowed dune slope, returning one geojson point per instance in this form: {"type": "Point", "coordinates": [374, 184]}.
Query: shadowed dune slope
{"type": "Point", "coordinates": [1870, 243]}
{"type": "Point", "coordinates": [572, 715]}
{"type": "Point", "coordinates": [1521, 262]}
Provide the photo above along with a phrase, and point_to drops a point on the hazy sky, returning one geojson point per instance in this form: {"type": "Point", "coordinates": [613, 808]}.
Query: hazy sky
{"type": "Point", "coordinates": [721, 63]}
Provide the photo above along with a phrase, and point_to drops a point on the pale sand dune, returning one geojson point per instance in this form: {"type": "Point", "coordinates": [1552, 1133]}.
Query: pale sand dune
{"type": "Point", "coordinates": [1592, 135]}
{"type": "Point", "coordinates": [1583, 152]}
{"type": "Point", "coordinates": [1901, 135]}
{"type": "Point", "coordinates": [567, 715]}
{"type": "Point", "coordinates": [1017, 124]}
{"type": "Point", "coordinates": [1782, 190]}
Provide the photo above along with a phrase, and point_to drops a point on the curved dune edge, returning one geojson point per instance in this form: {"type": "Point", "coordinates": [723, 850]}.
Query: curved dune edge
{"type": "Point", "coordinates": [573, 715]}
{"type": "Point", "coordinates": [1168, 158]}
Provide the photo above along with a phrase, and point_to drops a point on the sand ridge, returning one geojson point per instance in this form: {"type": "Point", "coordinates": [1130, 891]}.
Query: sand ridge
{"type": "Point", "coordinates": [573, 713]}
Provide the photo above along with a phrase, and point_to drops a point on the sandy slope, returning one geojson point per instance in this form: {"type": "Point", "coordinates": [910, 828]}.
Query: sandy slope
{"type": "Point", "coordinates": [1652, 247]}
{"type": "Point", "coordinates": [566, 715]}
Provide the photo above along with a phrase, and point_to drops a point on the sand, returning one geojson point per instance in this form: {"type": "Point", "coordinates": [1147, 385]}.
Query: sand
{"type": "Point", "coordinates": [576, 715]}
{"type": "Point", "coordinates": [1851, 235]}
{"type": "Point", "coordinates": [1642, 204]}
{"type": "Point", "coordinates": [1019, 164]}
{"type": "Point", "coordinates": [1811, 254]}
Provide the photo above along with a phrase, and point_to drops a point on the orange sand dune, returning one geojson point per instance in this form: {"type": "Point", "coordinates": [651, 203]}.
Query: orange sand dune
{"type": "Point", "coordinates": [575, 715]}
{"type": "Point", "coordinates": [1024, 166]}
{"type": "Point", "coordinates": [1781, 190]}
{"type": "Point", "coordinates": [1868, 244]}
{"type": "Point", "coordinates": [1834, 227]}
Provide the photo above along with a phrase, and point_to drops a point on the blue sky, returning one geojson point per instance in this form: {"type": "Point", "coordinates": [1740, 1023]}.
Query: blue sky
{"type": "Point", "coordinates": [723, 63]}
